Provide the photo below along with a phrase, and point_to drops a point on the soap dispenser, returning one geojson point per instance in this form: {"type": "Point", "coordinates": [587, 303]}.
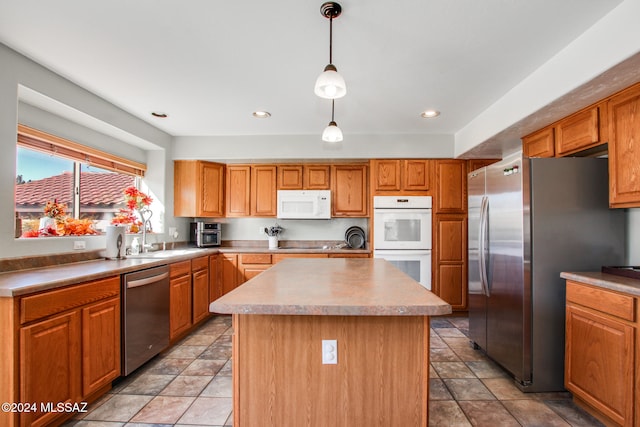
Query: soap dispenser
{"type": "Point", "coordinates": [135, 246]}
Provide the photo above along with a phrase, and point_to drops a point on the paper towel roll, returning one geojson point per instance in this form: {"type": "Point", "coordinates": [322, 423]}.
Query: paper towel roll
{"type": "Point", "coordinates": [115, 234]}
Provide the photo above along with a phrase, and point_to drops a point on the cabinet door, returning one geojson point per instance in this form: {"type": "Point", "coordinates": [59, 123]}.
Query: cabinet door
{"type": "Point", "coordinates": [316, 177]}
{"type": "Point", "coordinates": [229, 273]}
{"type": "Point", "coordinates": [200, 295]}
{"type": "Point", "coordinates": [539, 144]}
{"type": "Point", "coordinates": [211, 196]}
{"type": "Point", "coordinates": [215, 285]}
{"type": "Point", "coordinates": [386, 175]}
{"type": "Point", "coordinates": [50, 365]}
{"type": "Point", "coordinates": [238, 190]}
{"type": "Point", "coordinates": [451, 187]}
{"type": "Point", "coordinates": [263, 190]}
{"type": "Point", "coordinates": [180, 305]}
{"type": "Point", "coordinates": [198, 188]}
{"type": "Point", "coordinates": [599, 363]}
{"type": "Point", "coordinates": [450, 259]}
{"type": "Point", "coordinates": [349, 183]}
{"type": "Point", "coordinates": [416, 175]}
{"type": "Point", "coordinates": [578, 132]}
{"type": "Point", "coordinates": [624, 149]}
{"type": "Point", "coordinates": [100, 345]}
{"type": "Point", "coordinates": [474, 164]}
{"type": "Point", "coordinates": [290, 177]}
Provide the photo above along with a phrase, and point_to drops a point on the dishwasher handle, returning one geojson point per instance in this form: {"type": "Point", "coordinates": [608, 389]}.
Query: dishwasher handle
{"type": "Point", "coordinates": [146, 280]}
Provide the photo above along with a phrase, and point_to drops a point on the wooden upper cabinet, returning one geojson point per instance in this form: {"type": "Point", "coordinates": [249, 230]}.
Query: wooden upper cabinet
{"type": "Point", "coordinates": [316, 177]}
{"type": "Point", "coordinates": [349, 190]}
{"type": "Point", "coordinates": [391, 175]}
{"type": "Point", "coordinates": [579, 131]}
{"type": "Point", "coordinates": [238, 190]}
{"type": "Point", "coordinates": [451, 187]}
{"type": "Point", "coordinates": [198, 188]}
{"type": "Point", "coordinates": [263, 190]}
{"type": "Point", "coordinates": [290, 177]}
{"type": "Point", "coordinates": [540, 143]}
{"type": "Point", "coordinates": [624, 148]}
{"type": "Point", "coordinates": [386, 175]}
{"type": "Point", "coordinates": [416, 175]}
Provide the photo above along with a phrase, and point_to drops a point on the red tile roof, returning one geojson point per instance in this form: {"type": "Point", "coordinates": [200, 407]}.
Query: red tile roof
{"type": "Point", "coordinates": [97, 189]}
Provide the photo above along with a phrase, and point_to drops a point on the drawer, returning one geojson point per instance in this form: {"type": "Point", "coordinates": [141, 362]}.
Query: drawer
{"type": "Point", "coordinates": [615, 304]}
{"type": "Point", "coordinates": [255, 259]}
{"type": "Point", "coordinates": [179, 269]}
{"type": "Point", "coordinates": [37, 306]}
{"type": "Point", "coordinates": [200, 263]}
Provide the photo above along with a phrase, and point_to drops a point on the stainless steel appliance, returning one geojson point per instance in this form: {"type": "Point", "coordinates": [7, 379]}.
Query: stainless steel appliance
{"type": "Point", "coordinates": [205, 234]}
{"type": "Point", "coordinates": [530, 219]}
{"type": "Point", "coordinates": [304, 204]}
{"type": "Point", "coordinates": [145, 316]}
{"type": "Point", "coordinates": [402, 234]}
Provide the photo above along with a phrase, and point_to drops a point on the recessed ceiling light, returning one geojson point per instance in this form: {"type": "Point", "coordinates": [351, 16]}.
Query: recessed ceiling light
{"type": "Point", "coordinates": [261, 114]}
{"type": "Point", "coordinates": [159, 115]}
{"type": "Point", "coordinates": [427, 114]}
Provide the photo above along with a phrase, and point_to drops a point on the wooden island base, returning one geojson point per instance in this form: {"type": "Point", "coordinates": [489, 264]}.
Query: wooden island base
{"type": "Point", "coordinates": [379, 318]}
{"type": "Point", "coordinates": [381, 377]}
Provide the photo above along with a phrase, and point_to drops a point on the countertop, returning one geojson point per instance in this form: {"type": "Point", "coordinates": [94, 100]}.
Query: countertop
{"type": "Point", "coordinates": [27, 281]}
{"type": "Point", "coordinates": [607, 281]}
{"type": "Point", "coordinates": [332, 286]}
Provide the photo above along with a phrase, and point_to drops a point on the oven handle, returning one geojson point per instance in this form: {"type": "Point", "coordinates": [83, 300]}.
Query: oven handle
{"type": "Point", "coordinates": [402, 210]}
{"type": "Point", "coordinates": [146, 280]}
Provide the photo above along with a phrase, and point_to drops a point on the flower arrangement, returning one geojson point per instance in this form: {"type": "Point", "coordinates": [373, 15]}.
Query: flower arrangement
{"type": "Point", "coordinates": [55, 210]}
{"type": "Point", "coordinates": [136, 199]}
{"type": "Point", "coordinates": [273, 231]}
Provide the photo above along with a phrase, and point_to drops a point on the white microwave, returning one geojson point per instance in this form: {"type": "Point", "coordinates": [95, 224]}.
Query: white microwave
{"type": "Point", "coordinates": [304, 204]}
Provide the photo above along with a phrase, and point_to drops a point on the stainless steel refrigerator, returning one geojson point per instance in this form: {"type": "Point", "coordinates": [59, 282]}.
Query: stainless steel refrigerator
{"type": "Point", "coordinates": [530, 219]}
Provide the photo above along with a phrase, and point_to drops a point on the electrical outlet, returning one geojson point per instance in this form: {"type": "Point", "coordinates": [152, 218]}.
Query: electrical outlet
{"type": "Point", "coordinates": [329, 352]}
{"type": "Point", "coordinates": [260, 230]}
{"type": "Point", "coordinates": [172, 231]}
{"type": "Point", "coordinates": [79, 244]}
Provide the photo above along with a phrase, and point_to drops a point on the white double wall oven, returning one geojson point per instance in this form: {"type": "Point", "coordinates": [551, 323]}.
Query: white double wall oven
{"type": "Point", "coordinates": [402, 234]}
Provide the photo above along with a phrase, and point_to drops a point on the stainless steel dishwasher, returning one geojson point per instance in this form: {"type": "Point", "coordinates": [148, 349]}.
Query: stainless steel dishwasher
{"type": "Point", "coordinates": [145, 316]}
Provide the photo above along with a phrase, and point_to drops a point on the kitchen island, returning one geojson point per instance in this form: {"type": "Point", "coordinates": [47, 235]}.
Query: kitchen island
{"type": "Point", "coordinates": [376, 373]}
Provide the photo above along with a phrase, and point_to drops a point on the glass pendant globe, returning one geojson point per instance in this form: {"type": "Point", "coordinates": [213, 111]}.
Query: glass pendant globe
{"type": "Point", "coordinates": [330, 84]}
{"type": "Point", "coordinates": [332, 133]}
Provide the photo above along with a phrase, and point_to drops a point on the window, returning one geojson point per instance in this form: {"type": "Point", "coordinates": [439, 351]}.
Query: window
{"type": "Point", "coordinates": [89, 184]}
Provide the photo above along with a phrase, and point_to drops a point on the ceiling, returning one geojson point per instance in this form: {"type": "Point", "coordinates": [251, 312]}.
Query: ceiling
{"type": "Point", "coordinates": [209, 64]}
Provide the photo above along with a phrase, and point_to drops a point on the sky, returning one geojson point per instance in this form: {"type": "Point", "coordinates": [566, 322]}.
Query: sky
{"type": "Point", "coordinates": [33, 165]}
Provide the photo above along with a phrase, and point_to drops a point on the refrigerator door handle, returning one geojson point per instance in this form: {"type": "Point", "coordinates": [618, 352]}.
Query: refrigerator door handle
{"type": "Point", "coordinates": [482, 240]}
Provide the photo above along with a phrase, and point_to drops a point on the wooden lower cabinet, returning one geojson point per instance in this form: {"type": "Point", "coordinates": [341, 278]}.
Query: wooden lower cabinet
{"type": "Point", "coordinates": [250, 265]}
{"type": "Point", "coordinates": [228, 272]}
{"type": "Point", "coordinates": [601, 357]}
{"type": "Point", "coordinates": [200, 283]}
{"type": "Point", "coordinates": [100, 345]}
{"type": "Point", "coordinates": [50, 365]}
{"type": "Point", "coordinates": [215, 285]}
{"type": "Point", "coordinates": [450, 259]}
{"type": "Point", "coordinates": [180, 299]}
{"type": "Point", "coordinates": [69, 348]}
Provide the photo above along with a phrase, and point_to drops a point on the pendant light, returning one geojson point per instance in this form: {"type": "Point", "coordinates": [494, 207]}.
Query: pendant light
{"type": "Point", "coordinates": [332, 132]}
{"type": "Point", "coordinates": [330, 84]}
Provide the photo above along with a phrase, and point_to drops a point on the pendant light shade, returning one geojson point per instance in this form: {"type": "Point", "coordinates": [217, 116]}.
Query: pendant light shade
{"type": "Point", "coordinates": [330, 84]}
{"type": "Point", "coordinates": [332, 133]}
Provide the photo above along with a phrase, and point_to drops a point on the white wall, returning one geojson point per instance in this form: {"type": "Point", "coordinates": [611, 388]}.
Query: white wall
{"type": "Point", "coordinates": [293, 147]}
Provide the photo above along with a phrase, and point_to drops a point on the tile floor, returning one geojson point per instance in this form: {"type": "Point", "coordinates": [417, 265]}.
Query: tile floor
{"type": "Point", "coordinates": [190, 385]}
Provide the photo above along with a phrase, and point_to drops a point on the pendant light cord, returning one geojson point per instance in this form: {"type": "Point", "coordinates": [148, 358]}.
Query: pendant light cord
{"type": "Point", "coordinates": [330, 40]}
{"type": "Point", "coordinates": [332, 107]}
